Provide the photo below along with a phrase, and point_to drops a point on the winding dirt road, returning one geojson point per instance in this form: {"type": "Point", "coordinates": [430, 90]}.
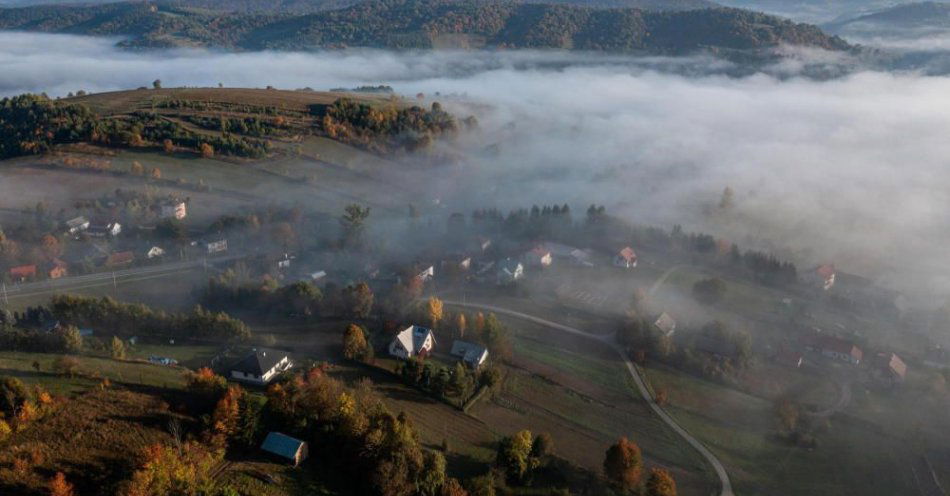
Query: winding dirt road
{"type": "Point", "coordinates": [725, 484]}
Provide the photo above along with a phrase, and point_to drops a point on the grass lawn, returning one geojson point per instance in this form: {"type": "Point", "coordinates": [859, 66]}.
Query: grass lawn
{"type": "Point", "coordinates": [18, 364]}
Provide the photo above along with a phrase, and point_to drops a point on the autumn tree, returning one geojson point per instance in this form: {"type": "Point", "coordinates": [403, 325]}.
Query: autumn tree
{"type": "Point", "coordinates": [623, 464]}
{"type": "Point", "coordinates": [137, 169]}
{"type": "Point", "coordinates": [452, 487]}
{"type": "Point", "coordinates": [58, 486]}
{"type": "Point", "coordinates": [226, 415]}
{"type": "Point", "coordinates": [787, 413]}
{"type": "Point", "coordinates": [355, 345]}
{"type": "Point", "coordinates": [155, 173]}
{"type": "Point", "coordinates": [167, 146]}
{"type": "Point", "coordinates": [157, 84]}
{"type": "Point", "coordinates": [117, 348]}
{"type": "Point", "coordinates": [514, 456]}
{"type": "Point", "coordinates": [358, 299]}
{"type": "Point", "coordinates": [460, 324]}
{"type": "Point", "coordinates": [434, 310]}
{"type": "Point", "coordinates": [660, 483]}
{"type": "Point", "coordinates": [206, 150]}
{"type": "Point", "coordinates": [51, 246]}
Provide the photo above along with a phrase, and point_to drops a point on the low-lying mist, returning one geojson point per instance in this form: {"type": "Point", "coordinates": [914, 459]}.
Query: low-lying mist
{"type": "Point", "coordinates": [850, 169]}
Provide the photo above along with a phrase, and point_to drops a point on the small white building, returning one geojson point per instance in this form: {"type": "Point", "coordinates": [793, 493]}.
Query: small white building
{"type": "Point", "coordinates": [412, 341]}
{"type": "Point", "coordinates": [665, 324]}
{"type": "Point", "coordinates": [471, 354]}
{"type": "Point", "coordinates": [625, 258]}
{"type": "Point", "coordinates": [426, 274]}
{"type": "Point", "coordinates": [261, 366]}
{"type": "Point", "coordinates": [104, 229]}
{"type": "Point", "coordinates": [77, 225]}
{"type": "Point", "coordinates": [155, 252]}
{"type": "Point", "coordinates": [173, 208]}
{"type": "Point", "coordinates": [538, 257]}
{"type": "Point", "coordinates": [219, 246]}
{"type": "Point", "coordinates": [509, 271]}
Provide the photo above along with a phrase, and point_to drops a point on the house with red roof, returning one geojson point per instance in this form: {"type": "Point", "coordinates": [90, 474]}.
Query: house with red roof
{"type": "Point", "coordinates": [23, 272]}
{"type": "Point", "coordinates": [836, 348]}
{"type": "Point", "coordinates": [56, 268]}
{"type": "Point", "coordinates": [822, 276]}
{"type": "Point", "coordinates": [626, 258]}
{"type": "Point", "coordinates": [539, 256]}
{"type": "Point", "coordinates": [889, 368]}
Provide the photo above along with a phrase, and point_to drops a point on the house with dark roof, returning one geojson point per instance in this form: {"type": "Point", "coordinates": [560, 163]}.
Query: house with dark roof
{"type": "Point", "coordinates": [287, 448]}
{"type": "Point", "coordinates": [412, 341]}
{"type": "Point", "coordinates": [626, 258]}
{"type": "Point", "coordinates": [261, 366]}
{"type": "Point", "coordinates": [77, 225]}
{"type": "Point", "coordinates": [471, 354]}
{"type": "Point", "coordinates": [509, 271]}
{"type": "Point", "coordinates": [104, 228]}
{"type": "Point", "coordinates": [539, 256]}
{"type": "Point", "coordinates": [837, 348]}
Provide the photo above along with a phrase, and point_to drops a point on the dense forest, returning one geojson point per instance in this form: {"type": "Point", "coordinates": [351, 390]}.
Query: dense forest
{"type": "Point", "coordinates": [407, 24]}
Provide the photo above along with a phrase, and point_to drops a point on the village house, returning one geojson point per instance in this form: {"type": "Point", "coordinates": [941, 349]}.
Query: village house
{"type": "Point", "coordinates": [155, 252]}
{"type": "Point", "coordinates": [77, 225]}
{"type": "Point", "coordinates": [471, 354]}
{"type": "Point", "coordinates": [22, 273]}
{"type": "Point", "coordinates": [836, 348]}
{"type": "Point", "coordinates": [56, 268]}
{"type": "Point", "coordinates": [412, 341]}
{"type": "Point", "coordinates": [889, 368]}
{"type": "Point", "coordinates": [665, 324]}
{"type": "Point", "coordinates": [119, 259]}
{"type": "Point", "coordinates": [287, 448]}
{"type": "Point", "coordinates": [626, 258]}
{"type": "Point", "coordinates": [219, 246]}
{"type": "Point", "coordinates": [285, 261]}
{"type": "Point", "coordinates": [173, 208]}
{"type": "Point", "coordinates": [822, 276]}
{"type": "Point", "coordinates": [426, 274]}
{"type": "Point", "coordinates": [509, 272]}
{"type": "Point", "coordinates": [104, 228]}
{"type": "Point", "coordinates": [482, 244]}
{"type": "Point", "coordinates": [539, 256]}
{"type": "Point", "coordinates": [261, 366]}
{"type": "Point", "coordinates": [457, 262]}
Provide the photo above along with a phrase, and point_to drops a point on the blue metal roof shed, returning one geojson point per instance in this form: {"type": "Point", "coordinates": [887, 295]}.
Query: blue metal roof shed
{"type": "Point", "coordinates": [285, 446]}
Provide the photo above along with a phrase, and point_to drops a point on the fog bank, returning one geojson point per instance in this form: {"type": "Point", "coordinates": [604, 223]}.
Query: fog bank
{"type": "Point", "coordinates": [851, 170]}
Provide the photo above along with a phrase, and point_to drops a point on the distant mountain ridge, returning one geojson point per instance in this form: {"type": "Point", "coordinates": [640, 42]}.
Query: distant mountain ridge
{"type": "Point", "coordinates": [312, 6]}
{"type": "Point", "coordinates": [423, 24]}
{"type": "Point", "coordinates": [909, 16]}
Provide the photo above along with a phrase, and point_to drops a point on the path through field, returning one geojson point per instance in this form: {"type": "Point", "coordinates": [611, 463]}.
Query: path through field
{"type": "Point", "coordinates": [725, 483]}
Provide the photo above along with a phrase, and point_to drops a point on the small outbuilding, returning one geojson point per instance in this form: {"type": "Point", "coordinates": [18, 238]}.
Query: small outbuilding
{"type": "Point", "coordinates": [287, 448]}
{"type": "Point", "coordinates": [471, 354]}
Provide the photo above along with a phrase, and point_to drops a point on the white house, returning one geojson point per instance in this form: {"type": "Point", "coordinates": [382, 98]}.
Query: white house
{"type": "Point", "coordinates": [412, 341]}
{"type": "Point", "coordinates": [626, 258]}
{"type": "Point", "coordinates": [155, 252]}
{"type": "Point", "coordinates": [471, 354]}
{"type": "Point", "coordinates": [509, 271]}
{"type": "Point", "coordinates": [426, 274]}
{"type": "Point", "coordinates": [261, 366]}
{"type": "Point", "coordinates": [538, 257]}
{"type": "Point", "coordinates": [173, 208]}
{"type": "Point", "coordinates": [104, 228]}
{"type": "Point", "coordinates": [822, 276]}
{"type": "Point", "coordinates": [665, 324]}
{"type": "Point", "coordinates": [77, 225]}
{"type": "Point", "coordinates": [218, 246]}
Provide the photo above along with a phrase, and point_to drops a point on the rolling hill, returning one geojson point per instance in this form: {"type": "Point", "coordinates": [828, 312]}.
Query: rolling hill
{"type": "Point", "coordinates": [907, 19]}
{"type": "Point", "coordinates": [423, 24]}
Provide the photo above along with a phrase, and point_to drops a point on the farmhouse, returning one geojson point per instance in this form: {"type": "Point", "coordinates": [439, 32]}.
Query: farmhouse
{"type": "Point", "coordinates": [473, 355]}
{"type": "Point", "coordinates": [822, 276]}
{"type": "Point", "coordinates": [539, 256]}
{"type": "Point", "coordinates": [22, 273]}
{"type": "Point", "coordinates": [77, 225]}
{"type": "Point", "coordinates": [626, 258]}
{"type": "Point", "coordinates": [837, 348]}
{"type": "Point", "coordinates": [219, 246]}
{"type": "Point", "coordinates": [665, 324]}
{"type": "Point", "coordinates": [104, 228]}
{"type": "Point", "coordinates": [56, 268]}
{"type": "Point", "coordinates": [509, 271]}
{"type": "Point", "coordinates": [173, 208]}
{"type": "Point", "coordinates": [889, 368]}
{"type": "Point", "coordinates": [286, 447]}
{"type": "Point", "coordinates": [261, 366]}
{"type": "Point", "coordinates": [412, 341]}
{"type": "Point", "coordinates": [155, 252]}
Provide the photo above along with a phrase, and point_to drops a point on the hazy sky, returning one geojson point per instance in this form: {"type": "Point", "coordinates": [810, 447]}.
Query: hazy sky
{"type": "Point", "coordinates": [854, 170]}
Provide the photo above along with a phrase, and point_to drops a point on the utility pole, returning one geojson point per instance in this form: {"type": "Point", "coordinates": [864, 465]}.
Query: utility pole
{"type": "Point", "coordinates": [6, 301]}
{"type": "Point", "coordinates": [115, 286]}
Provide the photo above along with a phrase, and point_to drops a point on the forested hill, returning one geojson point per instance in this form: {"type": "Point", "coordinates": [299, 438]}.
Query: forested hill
{"type": "Point", "coordinates": [404, 24]}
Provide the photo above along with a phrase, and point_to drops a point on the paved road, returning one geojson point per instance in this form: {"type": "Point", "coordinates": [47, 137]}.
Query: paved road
{"type": "Point", "coordinates": [725, 484]}
{"type": "Point", "coordinates": [24, 290]}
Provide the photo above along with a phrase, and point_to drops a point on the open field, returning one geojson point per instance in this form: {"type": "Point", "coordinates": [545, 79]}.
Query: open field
{"type": "Point", "coordinates": [92, 370]}
{"type": "Point", "coordinates": [95, 439]}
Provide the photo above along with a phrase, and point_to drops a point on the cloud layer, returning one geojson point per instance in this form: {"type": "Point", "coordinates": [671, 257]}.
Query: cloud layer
{"type": "Point", "coordinates": [852, 170]}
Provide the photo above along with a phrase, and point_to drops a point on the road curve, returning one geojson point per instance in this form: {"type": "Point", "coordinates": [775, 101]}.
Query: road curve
{"type": "Point", "coordinates": [724, 482]}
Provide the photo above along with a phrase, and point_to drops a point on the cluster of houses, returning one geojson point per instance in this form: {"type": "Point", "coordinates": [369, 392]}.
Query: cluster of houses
{"type": "Point", "coordinates": [885, 367]}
